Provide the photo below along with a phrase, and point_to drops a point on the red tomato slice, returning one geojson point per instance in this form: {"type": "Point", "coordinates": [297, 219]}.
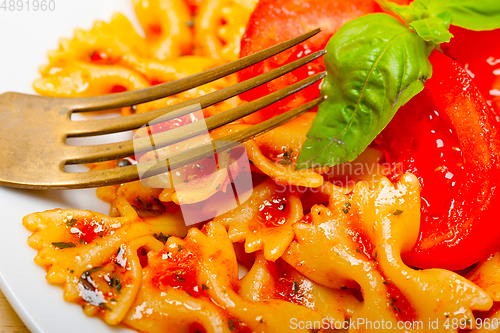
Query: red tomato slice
{"type": "Point", "coordinates": [446, 136]}
{"type": "Point", "coordinates": [193, 5]}
{"type": "Point", "coordinates": [479, 53]}
{"type": "Point", "coordinates": [275, 21]}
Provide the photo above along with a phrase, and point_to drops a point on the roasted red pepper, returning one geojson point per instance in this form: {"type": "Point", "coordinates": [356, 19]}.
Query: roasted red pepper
{"type": "Point", "coordinates": [447, 137]}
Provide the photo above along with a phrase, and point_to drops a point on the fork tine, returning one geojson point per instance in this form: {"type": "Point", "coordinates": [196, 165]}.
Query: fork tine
{"type": "Point", "coordinates": [99, 153]}
{"type": "Point", "coordinates": [155, 167]}
{"type": "Point", "coordinates": [113, 101]}
{"type": "Point", "coordinates": [113, 125]}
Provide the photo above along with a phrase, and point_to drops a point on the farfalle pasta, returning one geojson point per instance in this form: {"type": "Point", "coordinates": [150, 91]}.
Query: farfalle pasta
{"type": "Point", "coordinates": [323, 248]}
{"type": "Point", "coordinates": [219, 26]}
{"type": "Point", "coordinates": [355, 242]}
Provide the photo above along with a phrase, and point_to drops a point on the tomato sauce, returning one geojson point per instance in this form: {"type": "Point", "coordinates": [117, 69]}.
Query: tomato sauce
{"type": "Point", "coordinates": [196, 328]}
{"type": "Point", "coordinates": [142, 253]}
{"type": "Point", "coordinates": [273, 212]}
{"type": "Point", "coordinates": [155, 29]}
{"type": "Point", "coordinates": [86, 230]}
{"type": "Point", "coordinates": [285, 286]}
{"type": "Point", "coordinates": [118, 89]}
{"type": "Point", "coordinates": [400, 304]}
{"type": "Point", "coordinates": [365, 246]}
{"type": "Point", "coordinates": [307, 219]}
{"type": "Point", "coordinates": [236, 325]}
{"type": "Point", "coordinates": [101, 58]}
{"type": "Point", "coordinates": [177, 270]}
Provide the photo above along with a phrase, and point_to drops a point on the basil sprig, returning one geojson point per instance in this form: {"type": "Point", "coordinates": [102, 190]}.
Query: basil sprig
{"type": "Point", "coordinates": [376, 64]}
{"type": "Point", "coordinates": [469, 14]}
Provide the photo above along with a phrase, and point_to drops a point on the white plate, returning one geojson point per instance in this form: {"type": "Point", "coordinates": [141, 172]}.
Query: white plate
{"type": "Point", "coordinates": [25, 38]}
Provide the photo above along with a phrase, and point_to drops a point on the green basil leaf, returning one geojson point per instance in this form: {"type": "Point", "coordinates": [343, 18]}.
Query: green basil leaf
{"type": "Point", "coordinates": [409, 13]}
{"type": "Point", "coordinates": [375, 64]}
{"type": "Point", "coordinates": [434, 29]}
{"type": "Point", "coordinates": [469, 14]}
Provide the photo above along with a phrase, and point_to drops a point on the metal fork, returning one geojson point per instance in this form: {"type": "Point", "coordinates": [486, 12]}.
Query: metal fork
{"type": "Point", "coordinates": [34, 129]}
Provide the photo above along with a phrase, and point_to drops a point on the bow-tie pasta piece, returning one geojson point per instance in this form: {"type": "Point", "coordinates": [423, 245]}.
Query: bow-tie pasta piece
{"type": "Point", "coordinates": [361, 238]}
{"type": "Point", "coordinates": [203, 266]}
{"type": "Point", "coordinates": [136, 200]}
{"type": "Point", "coordinates": [104, 44]}
{"type": "Point", "coordinates": [330, 252]}
{"type": "Point", "coordinates": [264, 221]}
{"type": "Point", "coordinates": [94, 258]}
{"type": "Point", "coordinates": [487, 276]}
{"type": "Point", "coordinates": [166, 25]}
{"type": "Point", "coordinates": [112, 57]}
{"type": "Point", "coordinates": [79, 79]}
{"type": "Point", "coordinates": [279, 280]}
{"type": "Point", "coordinates": [219, 26]}
{"type": "Point", "coordinates": [279, 166]}
{"type": "Point", "coordinates": [434, 295]}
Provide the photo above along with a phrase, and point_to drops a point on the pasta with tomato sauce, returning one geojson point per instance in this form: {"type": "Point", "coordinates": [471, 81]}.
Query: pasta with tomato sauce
{"type": "Point", "coordinates": [324, 248]}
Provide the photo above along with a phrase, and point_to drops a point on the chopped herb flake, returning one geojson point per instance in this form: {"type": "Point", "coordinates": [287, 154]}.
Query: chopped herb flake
{"type": "Point", "coordinates": [92, 270]}
{"type": "Point", "coordinates": [114, 282]}
{"type": "Point", "coordinates": [397, 212]}
{"type": "Point", "coordinates": [395, 308]}
{"type": "Point", "coordinates": [161, 237]}
{"type": "Point", "coordinates": [104, 306]}
{"type": "Point", "coordinates": [71, 223]}
{"type": "Point", "coordinates": [287, 157]}
{"type": "Point", "coordinates": [63, 245]}
{"type": "Point", "coordinates": [393, 300]}
{"type": "Point", "coordinates": [231, 324]}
